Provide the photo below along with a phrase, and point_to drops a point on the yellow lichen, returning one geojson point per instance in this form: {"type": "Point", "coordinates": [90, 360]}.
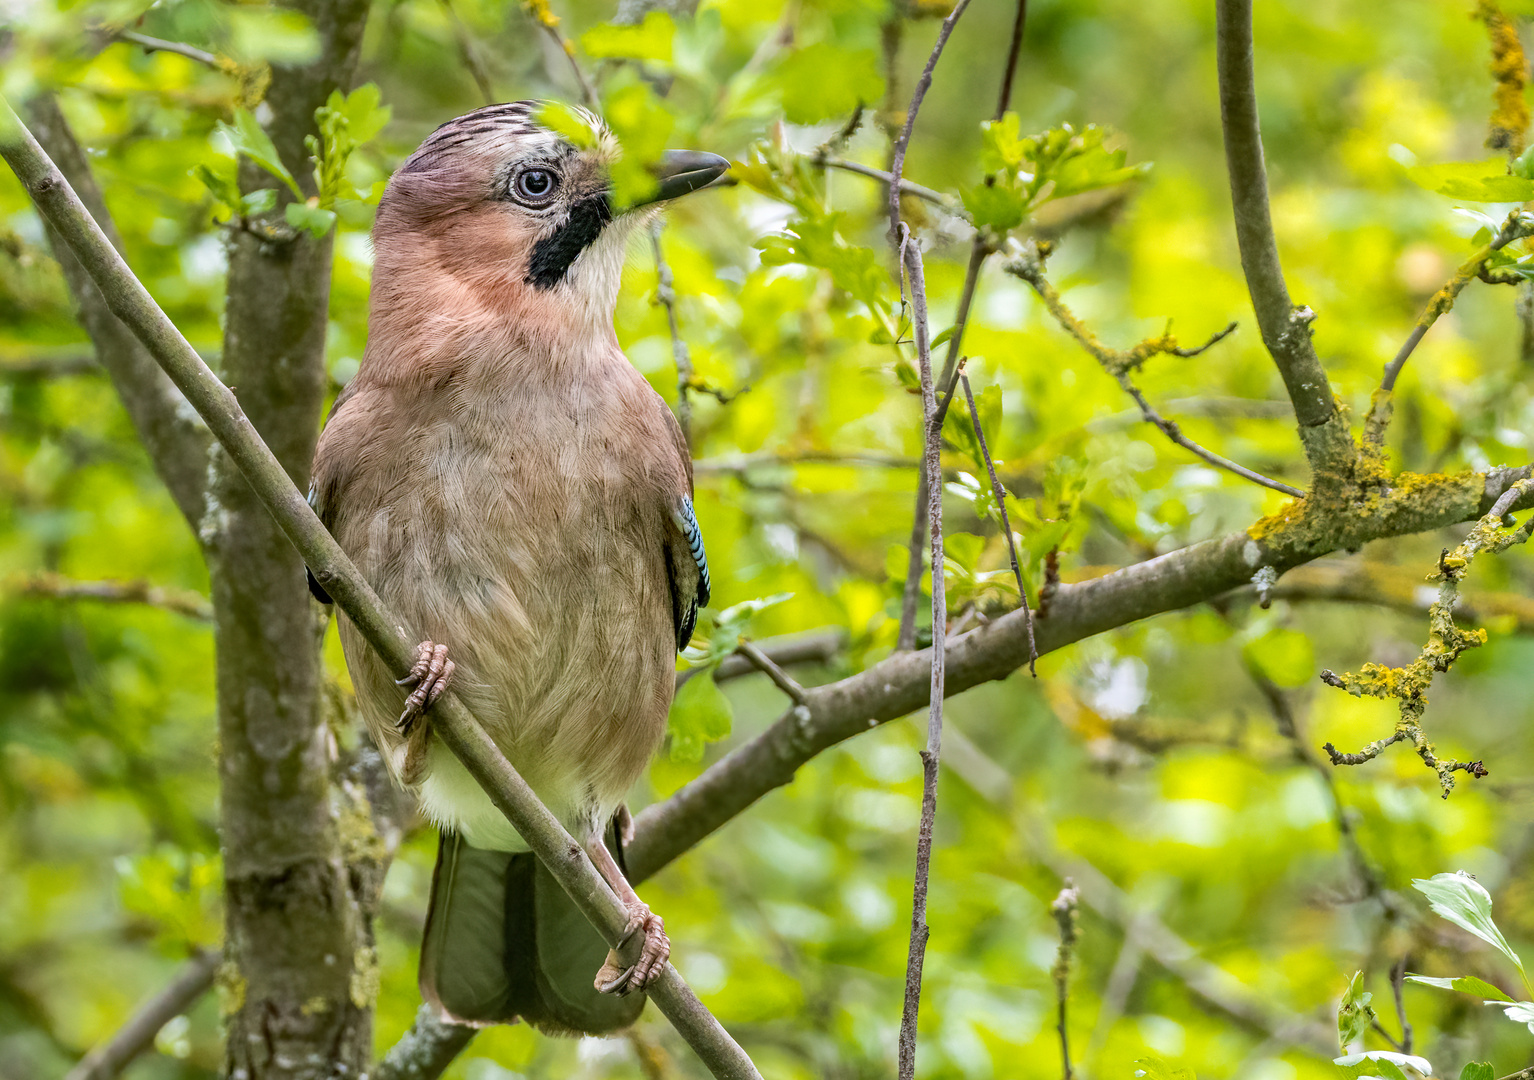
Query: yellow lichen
{"type": "Point", "coordinates": [230, 986]}
{"type": "Point", "coordinates": [1510, 114]}
{"type": "Point", "coordinates": [365, 978]}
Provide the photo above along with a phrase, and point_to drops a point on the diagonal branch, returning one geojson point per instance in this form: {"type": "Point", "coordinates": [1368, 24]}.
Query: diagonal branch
{"type": "Point", "coordinates": [137, 1034]}
{"type": "Point", "coordinates": [175, 438]}
{"type": "Point", "coordinates": [452, 722]}
{"type": "Point", "coordinates": [1285, 328]}
{"type": "Point", "coordinates": [899, 684]}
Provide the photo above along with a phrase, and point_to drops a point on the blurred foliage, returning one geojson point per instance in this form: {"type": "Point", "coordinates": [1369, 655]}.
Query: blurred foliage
{"type": "Point", "coordinates": [1151, 751]}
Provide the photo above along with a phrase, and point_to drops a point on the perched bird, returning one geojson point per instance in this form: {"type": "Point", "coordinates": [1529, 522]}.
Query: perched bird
{"type": "Point", "coordinates": [520, 496]}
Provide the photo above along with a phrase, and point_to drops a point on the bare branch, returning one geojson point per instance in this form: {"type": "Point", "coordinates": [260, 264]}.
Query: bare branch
{"type": "Point", "coordinates": [181, 602]}
{"type": "Point", "coordinates": [1064, 909]}
{"type": "Point", "coordinates": [1029, 266]}
{"type": "Point", "coordinates": [191, 52]}
{"type": "Point", "coordinates": [49, 366]}
{"type": "Point", "coordinates": [452, 722]}
{"type": "Point", "coordinates": [665, 295]}
{"type": "Point", "coordinates": [911, 259]}
{"type": "Point", "coordinates": [744, 462]}
{"type": "Point", "coordinates": [137, 1034]}
{"type": "Point", "coordinates": [1000, 495]}
{"type": "Point", "coordinates": [780, 678]}
{"type": "Point", "coordinates": [471, 57]}
{"type": "Point", "coordinates": [1518, 225]}
{"type": "Point", "coordinates": [899, 684]}
{"type": "Point", "coordinates": [426, 1050]}
{"type": "Point", "coordinates": [907, 187]}
{"type": "Point", "coordinates": [816, 647]}
{"type": "Point", "coordinates": [548, 22]}
{"type": "Point", "coordinates": [1285, 328]}
{"type": "Point", "coordinates": [897, 157]}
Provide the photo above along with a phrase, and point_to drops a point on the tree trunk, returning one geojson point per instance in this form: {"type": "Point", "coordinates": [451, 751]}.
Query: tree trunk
{"type": "Point", "coordinates": [300, 971]}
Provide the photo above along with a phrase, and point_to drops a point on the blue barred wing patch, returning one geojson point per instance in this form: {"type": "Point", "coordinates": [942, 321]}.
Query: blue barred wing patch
{"type": "Point", "coordinates": [687, 521]}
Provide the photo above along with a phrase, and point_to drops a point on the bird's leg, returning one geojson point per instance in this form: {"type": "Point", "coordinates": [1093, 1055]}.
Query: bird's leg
{"type": "Point", "coordinates": [430, 676]}
{"type": "Point", "coordinates": [616, 977]}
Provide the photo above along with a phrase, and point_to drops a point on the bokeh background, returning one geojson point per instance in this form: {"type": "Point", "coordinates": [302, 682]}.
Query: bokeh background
{"type": "Point", "coordinates": [1157, 755]}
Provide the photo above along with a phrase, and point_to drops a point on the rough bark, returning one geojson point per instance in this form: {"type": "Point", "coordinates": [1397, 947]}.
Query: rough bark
{"type": "Point", "coordinates": [299, 960]}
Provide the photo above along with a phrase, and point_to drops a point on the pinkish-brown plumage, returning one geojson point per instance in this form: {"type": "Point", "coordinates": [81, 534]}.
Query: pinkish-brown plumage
{"type": "Point", "coordinates": [508, 483]}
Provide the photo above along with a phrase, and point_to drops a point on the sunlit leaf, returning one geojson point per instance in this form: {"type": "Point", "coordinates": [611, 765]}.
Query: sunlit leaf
{"type": "Point", "coordinates": [1462, 900]}
{"type": "Point", "coordinates": [701, 714]}
{"type": "Point", "coordinates": [1354, 1013]}
{"type": "Point", "coordinates": [1467, 984]}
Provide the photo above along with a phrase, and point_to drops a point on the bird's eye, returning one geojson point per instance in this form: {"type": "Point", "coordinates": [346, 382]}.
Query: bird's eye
{"type": "Point", "coordinates": [536, 185]}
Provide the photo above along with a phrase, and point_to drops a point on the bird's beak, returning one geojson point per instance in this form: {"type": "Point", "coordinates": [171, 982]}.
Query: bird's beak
{"type": "Point", "coordinates": [681, 172]}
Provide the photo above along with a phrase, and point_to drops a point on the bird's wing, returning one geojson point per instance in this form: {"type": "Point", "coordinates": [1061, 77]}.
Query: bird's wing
{"type": "Point", "coordinates": [686, 562]}
{"type": "Point", "coordinates": [317, 476]}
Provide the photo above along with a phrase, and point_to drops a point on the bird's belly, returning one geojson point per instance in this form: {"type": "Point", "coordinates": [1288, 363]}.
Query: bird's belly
{"type": "Point", "coordinates": [563, 643]}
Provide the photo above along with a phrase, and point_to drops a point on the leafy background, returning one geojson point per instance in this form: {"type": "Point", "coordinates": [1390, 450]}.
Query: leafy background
{"type": "Point", "coordinates": [1150, 752]}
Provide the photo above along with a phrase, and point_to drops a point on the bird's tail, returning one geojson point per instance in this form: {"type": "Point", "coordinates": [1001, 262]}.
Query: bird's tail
{"type": "Point", "coordinates": [503, 942]}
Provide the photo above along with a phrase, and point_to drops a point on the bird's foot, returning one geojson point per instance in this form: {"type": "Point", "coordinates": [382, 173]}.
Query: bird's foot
{"type": "Point", "coordinates": [619, 978]}
{"type": "Point", "coordinates": [430, 676]}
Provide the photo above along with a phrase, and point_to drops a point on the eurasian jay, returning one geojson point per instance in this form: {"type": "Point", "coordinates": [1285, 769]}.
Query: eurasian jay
{"type": "Point", "coordinates": [515, 490]}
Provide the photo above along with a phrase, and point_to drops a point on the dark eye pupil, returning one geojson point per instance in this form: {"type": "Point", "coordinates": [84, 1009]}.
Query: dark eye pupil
{"type": "Point", "coordinates": [536, 182]}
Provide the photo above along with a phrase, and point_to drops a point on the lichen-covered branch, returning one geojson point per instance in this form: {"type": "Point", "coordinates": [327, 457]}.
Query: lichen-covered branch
{"type": "Point", "coordinates": [1028, 264]}
{"type": "Point", "coordinates": [1065, 909]}
{"type": "Point", "coordinates": [58, 587]}
{"type": "Point", "coordinates": [1446, 642]}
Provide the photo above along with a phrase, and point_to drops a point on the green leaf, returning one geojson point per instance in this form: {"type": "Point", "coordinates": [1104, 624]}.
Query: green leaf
{"type": "Point", "coordinates": [1354, 1013]}
{"type": "Point", "coordinates": [998, 206]}
{"type": "Point", "coordinates": [310, 216]}
{"type": "Point", "coordinates": [224, 188]}
{"type": "Point", "coordinates": [650, 40]}
{"type": "Point", "coordinates": [247, 137]}
{"type": "Point", "coordinates": [1464, 902]}
{"type": "Point", "coordinates": [1465, 984]}
{"type": "Point", "coordinates": [1520, 1012]}
{"type": "Point", "coordinates": [1152, 1067]}
{"type": "Point", "coordinates": [1478, 1070]}
{"type": "Point", "coordinates": [1475, 181]}
{"type": "Point", "coordinates": [1285, 656]}
{"type": "Point", "coordinates": [701, 714]}
{"type": "Point", "coordinates": [260, 201]}
{"type": "Point", "coordinates": [822, 81]}
{"type": "Point", "coordinates": [1384, 1063]}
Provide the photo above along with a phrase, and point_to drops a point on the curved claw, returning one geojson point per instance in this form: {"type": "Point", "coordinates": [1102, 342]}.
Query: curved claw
{"type": "Point", "coordinates": [614, 978]}
{"type": "Point", "coordinates": [430, 677]}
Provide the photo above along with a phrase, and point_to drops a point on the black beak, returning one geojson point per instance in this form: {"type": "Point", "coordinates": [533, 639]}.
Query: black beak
{"type": "Point", "coordinates": [681, 172]}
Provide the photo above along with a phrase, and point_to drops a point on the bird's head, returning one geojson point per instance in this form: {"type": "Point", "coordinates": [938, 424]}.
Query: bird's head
{"type": "Point", "coordinates": [498, 200]}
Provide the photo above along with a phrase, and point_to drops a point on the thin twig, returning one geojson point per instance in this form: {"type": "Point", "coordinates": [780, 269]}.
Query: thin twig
{"type": "Point", "coordinates": [1000, 494]}
{"type": "Point", "coordinates": [768, 459]}
{"type": "Point", "coordinates": [903, 141]}
{"type": "Point", "coordinates": [452, 722]}
{"type": "Point", "coordinates": [154, 44]}
{"type": "Point", "coordinates": [58, 587]}
{"type": "Point", "coordinates": [1518, 225]}
{"type": "Point", "coordinates": [780, 678]}
{"type": "Point", "coordinates": [544, 16]}
{"type": "Point", "coordinates": [1028, 264]}
{"type": "Point", "coordinates": [1397, 984]}
{"type": "Point", "coordinates": [1065, 909]}
{"type": "Point", "coordinates": [907, 187]}
{"type": "Point", "coordinates": [1285, 328]}
{"type": "Point", "coordinates": [911, 259]}
{"type": "Point", "coordinates": [471, 58]}
{"type": "Point", "coordinates": [665, 295]}
{"type": "Point", "coordinates": [137, 1034]}
{"type": "Point", "coordinates": [980, 248]}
